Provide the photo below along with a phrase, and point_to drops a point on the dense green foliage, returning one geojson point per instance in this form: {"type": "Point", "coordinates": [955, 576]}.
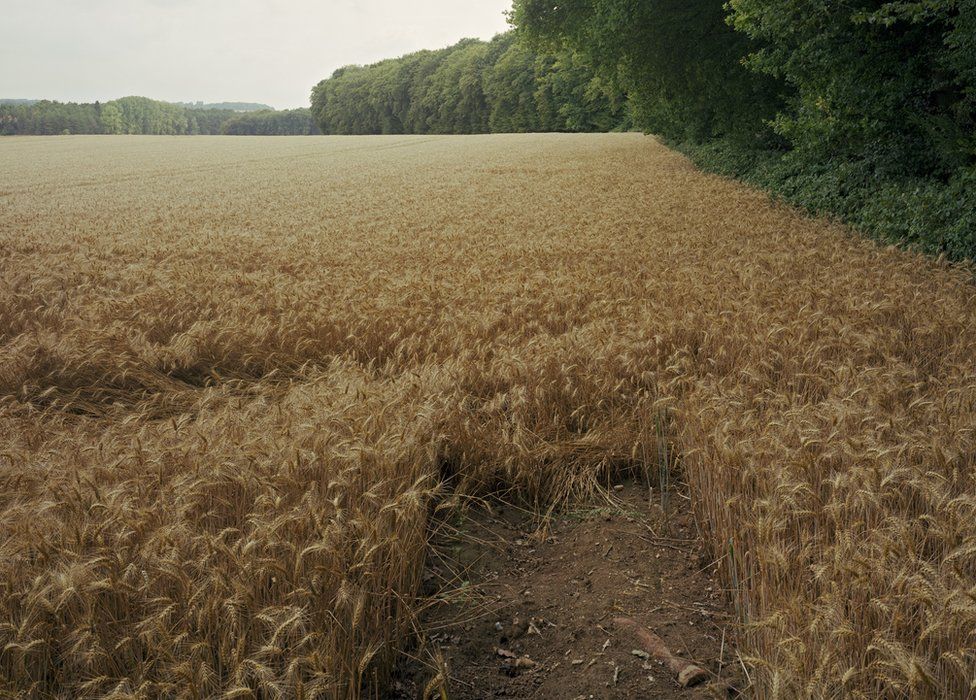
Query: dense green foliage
{"type": "Point", "coordinates": [471, 87]}
{"type": "Point", "coordinates": [140, 115]}
{"type": "Point", "coordinates": [271, 123]}
{"type": "Point", "coordinates": [678, 60]}
{"type": "Point", "coordinates": [863, 109]}
{"type": "Point", "coordinates": [892, 82]}
{"type": "Point", "coordinates": [207, 121]}
{"type": "Point", "coordinates": [46, 117]}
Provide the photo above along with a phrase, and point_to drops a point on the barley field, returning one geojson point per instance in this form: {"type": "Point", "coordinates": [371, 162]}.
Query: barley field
{"type": "Point", "coordinates": [239, 377]}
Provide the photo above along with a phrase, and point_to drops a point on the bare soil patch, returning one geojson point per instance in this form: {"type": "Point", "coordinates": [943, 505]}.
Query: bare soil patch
{"type": "Point", "coordinates": [530, 606]}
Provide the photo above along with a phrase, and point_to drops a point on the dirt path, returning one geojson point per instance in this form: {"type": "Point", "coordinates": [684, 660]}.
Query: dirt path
{"type": "Point", "coordinates": [548, 597]}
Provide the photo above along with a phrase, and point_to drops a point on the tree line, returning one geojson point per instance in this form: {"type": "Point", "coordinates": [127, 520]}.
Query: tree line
{"type": "Point", "coordinates": [230, 106]}
{"type": "Point", "coordinates": [865, 109]}
{"type": "Point", "coordinates": [473, 86]}
{"type": "Point", "coordinates": [294, 122]}
{"type": "Point", "coordinates": [141, 115]}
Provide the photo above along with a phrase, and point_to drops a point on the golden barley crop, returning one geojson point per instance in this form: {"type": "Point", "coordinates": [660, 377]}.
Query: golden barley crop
{"type": "Point", "coordinates": [237, 376]}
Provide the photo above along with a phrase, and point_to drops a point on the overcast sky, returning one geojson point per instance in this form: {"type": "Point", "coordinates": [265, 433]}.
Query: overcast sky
{"type": "Point", "coordinates": [270, 51]}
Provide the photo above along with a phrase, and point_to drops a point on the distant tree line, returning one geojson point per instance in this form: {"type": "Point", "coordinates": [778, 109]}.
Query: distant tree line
{"type": "Point", "coordinates": [271, 123]}
{"type": "Point", "coordinates": [471, 87]}
{"type": "Point", "coordinates": [45, 117]}
{"type": "Point", "coordinates": [229, 106]}
{"type": "Point", "coordinates": [140, 115]}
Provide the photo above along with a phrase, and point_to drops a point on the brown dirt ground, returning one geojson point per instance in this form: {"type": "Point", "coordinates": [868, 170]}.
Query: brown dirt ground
{"type": "Point", "coordinates": [570, 577]}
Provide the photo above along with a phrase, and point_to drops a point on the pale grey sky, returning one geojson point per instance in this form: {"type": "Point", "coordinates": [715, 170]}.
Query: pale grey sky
{"type": "Point", "coordinates": [270, 51]}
